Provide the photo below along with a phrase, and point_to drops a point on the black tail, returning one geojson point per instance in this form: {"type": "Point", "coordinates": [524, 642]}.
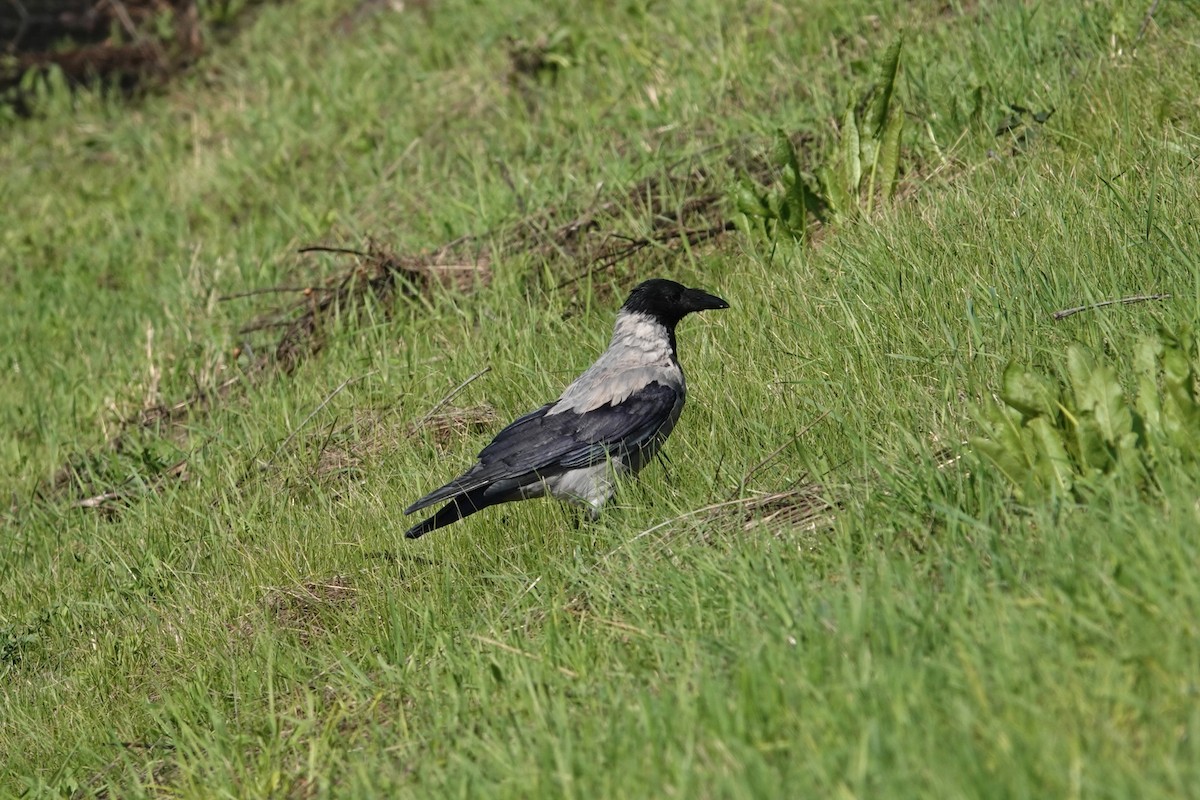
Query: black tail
{"type": "Point", "coordinates": [456, 509]}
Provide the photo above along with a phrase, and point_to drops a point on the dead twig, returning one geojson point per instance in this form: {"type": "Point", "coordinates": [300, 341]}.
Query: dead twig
{"type": "Point", "coordinates": [1123, 301]}
{"type": "Point", "coordinates": [439, 405]}
{"type": "Point", "coordinates": [320, 248]}
{"type": "Point", "coordinates": [1146, 20]}
{"type": "Point", "coordinates": [126, 21]}
{"type": "Point", "coordinates": [273, 290]}
{"type": "Point", "coordinates": [100, 500]}
{"type": "Point", "coordinates": [328, 399]}
{"type": "Point", "coordinates": [771, 457]}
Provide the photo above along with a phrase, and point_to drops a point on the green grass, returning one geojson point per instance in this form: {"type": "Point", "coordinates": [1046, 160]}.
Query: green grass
{"type": "Point", "coordinates": [261, 629]}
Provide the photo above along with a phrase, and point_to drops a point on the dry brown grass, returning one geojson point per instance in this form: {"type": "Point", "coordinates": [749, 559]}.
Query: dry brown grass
{"type": "Point", "coordinates": [303, 609]}
{"type": "Point", "coordinates": [345, 451]}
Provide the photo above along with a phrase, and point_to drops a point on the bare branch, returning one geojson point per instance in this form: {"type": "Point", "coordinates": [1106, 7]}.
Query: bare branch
{"type": "Point", "coordinates": [1124, 301]}
{"type": "Point", "coordinates": [1146, 20]}
{"type": "Point", "coordinates": [328, 399]}
{"type": "Point", "coordinates": [439, 405]}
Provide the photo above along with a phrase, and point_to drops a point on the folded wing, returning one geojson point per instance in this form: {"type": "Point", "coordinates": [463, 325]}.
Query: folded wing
{"type": "Point", "coordinates": [538, 443]}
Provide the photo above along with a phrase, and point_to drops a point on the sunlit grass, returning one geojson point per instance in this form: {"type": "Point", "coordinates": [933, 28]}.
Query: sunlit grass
{"type": "Point", "coordinates": [261, 628]}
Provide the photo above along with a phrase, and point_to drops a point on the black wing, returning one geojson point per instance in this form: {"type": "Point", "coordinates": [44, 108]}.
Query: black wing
{"type": "Point", "coordinates": [537, 442]}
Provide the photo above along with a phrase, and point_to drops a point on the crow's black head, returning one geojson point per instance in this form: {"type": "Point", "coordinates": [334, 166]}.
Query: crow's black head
{"type": "Point", "coordinates": [668, 301]}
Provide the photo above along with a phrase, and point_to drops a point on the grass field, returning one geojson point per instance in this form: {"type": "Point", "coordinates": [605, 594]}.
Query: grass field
{"type": "Point", "coordinates": [824, 590]}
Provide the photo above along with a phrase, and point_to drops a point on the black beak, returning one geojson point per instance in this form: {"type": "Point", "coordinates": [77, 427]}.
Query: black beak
{"type": "Point", "coordinates": [700, 300]}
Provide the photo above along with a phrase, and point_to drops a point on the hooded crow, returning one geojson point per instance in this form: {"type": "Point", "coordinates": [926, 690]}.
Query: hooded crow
{"type": "Point", "coordinates": [609, 422]}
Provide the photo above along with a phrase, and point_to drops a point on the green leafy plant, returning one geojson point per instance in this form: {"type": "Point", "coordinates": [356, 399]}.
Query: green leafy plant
{"type": "Point", "coordinates": [867, 160]}
{"type": "Point", "coordinates": [1056, 437]}
{"type": "Point", "coordinates": [865, 165]}
{"type": "Point", "coordinates": [785, 210]}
